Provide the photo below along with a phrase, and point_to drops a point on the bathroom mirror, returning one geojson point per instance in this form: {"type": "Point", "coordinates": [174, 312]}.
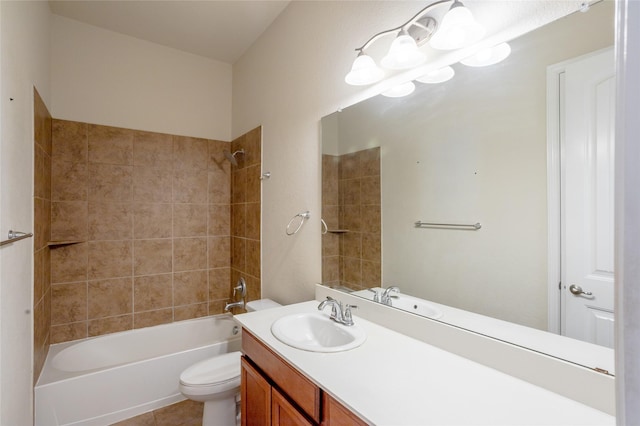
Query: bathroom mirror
{"type": "Point", "coordinates": [469, 151]}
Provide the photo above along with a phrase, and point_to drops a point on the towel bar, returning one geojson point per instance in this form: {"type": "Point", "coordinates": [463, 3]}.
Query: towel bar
{"type": "Point", "coordinates": [15, 236]}
{"type": "Point", "coordinates": [420, 224]}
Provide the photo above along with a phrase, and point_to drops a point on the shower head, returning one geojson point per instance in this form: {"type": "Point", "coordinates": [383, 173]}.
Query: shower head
{"type": "Point", "coordinates": [232, 157]}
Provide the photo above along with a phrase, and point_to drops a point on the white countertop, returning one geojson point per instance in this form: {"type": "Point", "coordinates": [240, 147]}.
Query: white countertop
{"type": "Point", "coordinates": [393, 379]}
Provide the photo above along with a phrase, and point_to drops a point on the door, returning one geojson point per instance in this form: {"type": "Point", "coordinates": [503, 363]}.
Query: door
{"type": "Point", "coordinates": [587, 181]}
{"type": "Point", "coordinates": [285, 414]}
{"type": "Point", "coordinates": [255, 397]}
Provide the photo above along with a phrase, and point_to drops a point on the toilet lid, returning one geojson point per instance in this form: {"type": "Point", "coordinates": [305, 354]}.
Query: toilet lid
{"type": "Point", "coordinates": [219, 369]}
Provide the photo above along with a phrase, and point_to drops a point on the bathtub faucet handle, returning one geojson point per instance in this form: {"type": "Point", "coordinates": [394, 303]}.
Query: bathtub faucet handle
{"type": "Point", "coordinates": [241, 286]}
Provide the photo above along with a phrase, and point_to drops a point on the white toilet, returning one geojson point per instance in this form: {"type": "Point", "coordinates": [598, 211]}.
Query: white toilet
{"type": "Point", "coordinates": [216, 381]}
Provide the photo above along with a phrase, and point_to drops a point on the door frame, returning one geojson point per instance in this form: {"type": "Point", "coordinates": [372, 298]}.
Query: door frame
{"type": "Point", "coordinates": [554, 242]}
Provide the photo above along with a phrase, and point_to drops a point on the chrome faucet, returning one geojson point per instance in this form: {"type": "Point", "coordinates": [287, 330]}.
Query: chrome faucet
{"type": "Point", "coordinates": [376, 295]}
{"type": "Point", "coordinates": [238, 304]}
{"type": "Point", "coordinates": [241, 287]}
{"type": "Point", "coordinates": [337, 313]}
{"type": "Point", "coordinates": [386, 295]}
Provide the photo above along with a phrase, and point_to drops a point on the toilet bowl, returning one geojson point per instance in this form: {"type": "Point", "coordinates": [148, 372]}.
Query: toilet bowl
{"type": "Point", "coordinates": [216, 381]}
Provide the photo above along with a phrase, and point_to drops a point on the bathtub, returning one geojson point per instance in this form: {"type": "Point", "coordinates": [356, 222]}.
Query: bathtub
{"type": "Point", "coordinates": [102, 380]}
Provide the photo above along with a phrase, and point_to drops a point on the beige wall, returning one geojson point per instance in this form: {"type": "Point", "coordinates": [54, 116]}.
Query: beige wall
{"type": "Point", "coordinates": [25, 56]}
{"type": "Point", "coordinates": [290, 78]}
{"type": "Point", "coordinates": [107, 78]}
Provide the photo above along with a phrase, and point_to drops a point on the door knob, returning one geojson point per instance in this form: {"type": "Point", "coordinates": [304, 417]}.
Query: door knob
{"type": "Point", "coordinates": [577, 290]}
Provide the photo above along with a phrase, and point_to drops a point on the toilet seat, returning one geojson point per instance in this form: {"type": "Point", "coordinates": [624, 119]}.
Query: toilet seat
{"type": "Point", "coordinates": [213, 375]}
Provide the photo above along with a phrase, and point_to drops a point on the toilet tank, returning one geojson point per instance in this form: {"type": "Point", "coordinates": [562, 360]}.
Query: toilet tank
{"type": "Point", "coordinates": [261, 304]}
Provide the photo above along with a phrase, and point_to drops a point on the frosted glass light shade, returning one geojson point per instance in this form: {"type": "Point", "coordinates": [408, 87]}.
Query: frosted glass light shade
{"type": "Point", "coordinates": [437, 76]}
{"type": "Point", "coordinates": [364, 71]}
{"type": "Point", "coordinates": [488, 56]}
{"type": "Point", "coordinates": [400, 90]}
{"type": "Point", "coordinates": [458, 29]}
{"type": "Point", "coordinates": [403, 54]}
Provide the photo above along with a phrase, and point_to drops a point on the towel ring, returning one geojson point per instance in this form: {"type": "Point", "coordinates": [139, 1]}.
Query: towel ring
{"type": "Point", "coordinates": [303, 216]}
{"type": "Point", "coordinates": [325, 229]}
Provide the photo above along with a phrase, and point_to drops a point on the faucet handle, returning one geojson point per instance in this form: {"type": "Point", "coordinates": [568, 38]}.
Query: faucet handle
{"type": "Point", "coordinates": [336, 309]}
{"type": "Point", "coordinates": [347, 318]}
{"type": "Point", "coordinates": [241, 286]}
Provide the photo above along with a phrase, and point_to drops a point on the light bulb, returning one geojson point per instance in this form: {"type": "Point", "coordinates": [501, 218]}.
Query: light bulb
{"type": "Point", "coordinates": [458, 29]}
{"type": "Point", "coordinates": [403, 54]}
{"type": "Point", "coordinates": [363, 71]}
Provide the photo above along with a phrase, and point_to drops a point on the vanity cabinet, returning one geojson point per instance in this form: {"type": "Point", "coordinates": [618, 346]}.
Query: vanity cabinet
{"type": "Point", "coordinates": [275, 393]}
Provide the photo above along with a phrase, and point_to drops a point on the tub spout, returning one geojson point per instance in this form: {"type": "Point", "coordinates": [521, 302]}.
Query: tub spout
{"type": "Point", "coordinates": [238, 304]}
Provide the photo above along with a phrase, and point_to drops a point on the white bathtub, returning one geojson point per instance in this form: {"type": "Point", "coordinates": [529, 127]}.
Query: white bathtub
{"type": "Point", "coordinates": [103, 380]}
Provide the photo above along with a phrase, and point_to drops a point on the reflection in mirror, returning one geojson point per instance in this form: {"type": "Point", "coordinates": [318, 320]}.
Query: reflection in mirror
{"type": "Point", "coordinates": [471, 150]}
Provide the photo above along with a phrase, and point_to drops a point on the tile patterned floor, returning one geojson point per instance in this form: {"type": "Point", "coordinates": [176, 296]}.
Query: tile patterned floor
{"type": "Point", "coordinates": [185, 413]}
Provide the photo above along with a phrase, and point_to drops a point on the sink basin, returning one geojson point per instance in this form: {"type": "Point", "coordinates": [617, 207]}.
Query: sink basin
{"type": "Point", "coordinates": [417, 306]}
{"type": "Point", "coordinates": [406, 303]}
{"type": "Point", "coordinates": [315, 332]}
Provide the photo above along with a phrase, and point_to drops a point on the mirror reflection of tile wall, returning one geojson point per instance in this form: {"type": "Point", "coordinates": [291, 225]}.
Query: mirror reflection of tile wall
{"type": "Point", "coordinates": [143, 224]}
{"type": "Point", "coordinates": [42, 231]}
{"type": "Point", "coordinates": [351, 209]}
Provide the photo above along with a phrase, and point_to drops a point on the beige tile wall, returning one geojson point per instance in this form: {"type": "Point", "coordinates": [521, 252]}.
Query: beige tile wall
{"type": "Point", "coordinates": [331, 216]}
{"type": "Point", "coordinates": [246, 211]}
{"type": "Point", "coordinates": [149, 216]}
{"type": "Point", "coordinates": [42, 227]}
{"type": "Point", "coordinates": [351, 202]}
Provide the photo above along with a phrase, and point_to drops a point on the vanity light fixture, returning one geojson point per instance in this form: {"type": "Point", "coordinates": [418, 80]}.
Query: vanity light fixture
{"type": "Point", "coordinates": [437, 76]}
{"type": "Point", "coordinates": [400, 90]}
{"type": "Point", "coordinates": [458, 29]}
{"type": "Point", "coordinates": [488, 56]}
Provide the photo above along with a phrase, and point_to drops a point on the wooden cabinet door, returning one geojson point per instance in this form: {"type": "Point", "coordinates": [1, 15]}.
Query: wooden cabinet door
{"type": "Point", "coordinates": [255, 396]}
{"type": "Point", "coordinates": [285, 414]}
{"type": "Point", "coordinates": [335, 414]}
{"type": "Point", "coordinates": [299, 389]}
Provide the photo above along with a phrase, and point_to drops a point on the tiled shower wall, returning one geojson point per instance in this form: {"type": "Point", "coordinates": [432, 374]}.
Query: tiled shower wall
{"type": "Point", "coordinates": [245, 211]}
{"type": "Point", "coordinates": [142, 223]}
{"type": "Point", "coordinates": [351, 249]}
{"type": "Point", "coordinates": [42, 231]}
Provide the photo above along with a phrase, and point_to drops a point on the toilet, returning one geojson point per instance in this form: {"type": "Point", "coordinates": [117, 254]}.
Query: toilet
{"type": "Point", "coordinates": [216, 381]}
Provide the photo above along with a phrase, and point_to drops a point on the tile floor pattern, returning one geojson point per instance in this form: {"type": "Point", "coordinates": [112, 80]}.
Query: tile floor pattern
{"type": "Point", "coordinates": [185, 413]}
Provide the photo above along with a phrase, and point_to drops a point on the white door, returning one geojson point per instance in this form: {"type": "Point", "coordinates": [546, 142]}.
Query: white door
{"type": "Point", "coordinates": [587, 176]}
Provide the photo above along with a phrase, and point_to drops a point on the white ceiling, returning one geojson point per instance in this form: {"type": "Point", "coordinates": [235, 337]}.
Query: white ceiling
{"type": "Point", "coordinates": [217, 29]}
